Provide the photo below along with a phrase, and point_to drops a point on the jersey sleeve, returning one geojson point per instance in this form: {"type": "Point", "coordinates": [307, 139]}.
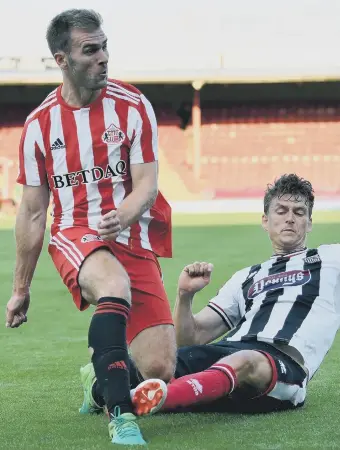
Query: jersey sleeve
{"type": "Point", "coordinates": [226, 302]}
{"type": "Point", "coordinates": [330, 252]}
{"type": "Point", "coordinates": [335, 249]}
{"type": "Point", "coordinates": [32, 171]}
{"type": "Point", "coordinates": [144, 148]}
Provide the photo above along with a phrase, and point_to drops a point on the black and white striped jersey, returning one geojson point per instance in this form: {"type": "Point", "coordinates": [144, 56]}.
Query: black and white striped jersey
{"type": "Point", "coordinates": [292, 299]}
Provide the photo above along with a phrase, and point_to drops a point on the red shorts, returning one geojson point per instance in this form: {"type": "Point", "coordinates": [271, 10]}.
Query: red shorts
{"type": "Point", "coordinates": [150, 305]}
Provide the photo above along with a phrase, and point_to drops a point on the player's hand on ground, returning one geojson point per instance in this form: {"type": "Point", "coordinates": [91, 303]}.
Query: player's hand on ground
{"type": "Point", "coordinates": [16, 311]}
{"type": "Point", "coordinates": [109, 226]}
{"type": "Point", "coordinates": [195, 277]}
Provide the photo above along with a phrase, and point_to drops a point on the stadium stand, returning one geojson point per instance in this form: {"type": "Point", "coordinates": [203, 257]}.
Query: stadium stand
{"type": "Point", "coordinates": [241, 147]}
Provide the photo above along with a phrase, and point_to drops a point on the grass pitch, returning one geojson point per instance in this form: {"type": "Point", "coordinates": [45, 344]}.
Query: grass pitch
{"type": "Point", "coordinates": [39, 366]}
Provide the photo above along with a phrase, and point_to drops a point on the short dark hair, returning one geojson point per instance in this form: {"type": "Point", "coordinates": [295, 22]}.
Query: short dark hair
{"type": "Point", "coordinates": [293, 185]}
{"type": "Point", "coordinates": [59, 29]}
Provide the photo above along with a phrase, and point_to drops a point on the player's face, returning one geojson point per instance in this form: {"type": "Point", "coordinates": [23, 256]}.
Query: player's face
{"type": "Point", "coordinates": [288, 221]}
{"type": "Point", "coordinates": [88, 59]}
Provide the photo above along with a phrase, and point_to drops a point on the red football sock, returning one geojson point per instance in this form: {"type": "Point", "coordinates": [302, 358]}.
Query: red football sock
{"type": "Point", "coordinates": [202, 387]}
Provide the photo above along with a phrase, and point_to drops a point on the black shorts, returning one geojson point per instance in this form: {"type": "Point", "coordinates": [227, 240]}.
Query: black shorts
{"type": "Point", "coordinates": [289, 379]}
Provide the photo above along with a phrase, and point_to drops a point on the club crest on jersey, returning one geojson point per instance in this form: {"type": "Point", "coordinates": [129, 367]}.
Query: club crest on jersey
{"type": "Point", "coordinates": [113, 135]}
{"type": "Point", "coordinates": [279, 280]}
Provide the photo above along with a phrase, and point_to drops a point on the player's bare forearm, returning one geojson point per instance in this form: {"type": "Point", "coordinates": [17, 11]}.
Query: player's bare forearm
{"type": "Point", "coordinates": [135, 204]}
{"type": "Point", "coordinates": [29, 234]}
{"type": "Point", "coordinates": [143, 195]}
{"type": "Point", "coordinates": [184, 320]}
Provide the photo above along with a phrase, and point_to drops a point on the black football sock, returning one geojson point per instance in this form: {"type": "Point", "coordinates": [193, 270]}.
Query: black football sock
{"type": "Point", "coordinates": [135, 379]}
{"type": "Point", "coordinates": [107, 338]}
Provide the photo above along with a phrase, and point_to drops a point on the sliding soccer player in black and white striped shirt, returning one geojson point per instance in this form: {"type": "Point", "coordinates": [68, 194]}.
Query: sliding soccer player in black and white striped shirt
{"type": "Point", "coordinates": [281, 317]}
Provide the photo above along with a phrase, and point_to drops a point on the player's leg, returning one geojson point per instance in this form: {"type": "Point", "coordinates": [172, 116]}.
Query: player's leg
{"type": "Point", "coordinates": [242, 368]}
{"type": "Point", "coordinates": [190, 361]}
{"type": "Point", "coordinates": [154, 352]}
{"type": "Point", "coordinates": [264, 380]}
{"type": "Point", "coordinates": [105, 283]}
{"type": "Point", "coordinates": [158, 346]}
{"type": "Point", "coordinates": [150, 331]}
{"type": "Point", "coordinates": [93, 275]}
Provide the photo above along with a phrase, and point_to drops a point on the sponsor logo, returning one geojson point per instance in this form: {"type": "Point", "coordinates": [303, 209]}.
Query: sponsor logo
{"type": "Point", "coordinates": [196, 386]}
{"type": "Point", "coordinates": [90, 238]}
{"type": "Point", "coordinates": [113, 135]}
{"type": "Point", "coordinates": [280, 280]}
{"type": "Point", "coordinates": [57, 145]}
{"type": "Point", "coordinates": [312, 259]}
{"type": "Point", "coordinates": [89, 175]}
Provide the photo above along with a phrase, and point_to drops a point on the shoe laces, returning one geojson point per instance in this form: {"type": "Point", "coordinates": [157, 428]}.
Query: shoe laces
{"type": "Point", "coordinates": [124, 427]}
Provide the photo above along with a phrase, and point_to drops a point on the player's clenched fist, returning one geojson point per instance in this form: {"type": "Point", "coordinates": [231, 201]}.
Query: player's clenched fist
{"type": "Point", "coordinates": [194, 277]}
{"type": "Point", "coordinates": [16, 311]}
{"type": "Point", "coordinates": [109, 227]}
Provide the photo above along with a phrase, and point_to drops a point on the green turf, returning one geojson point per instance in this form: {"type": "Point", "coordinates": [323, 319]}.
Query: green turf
{"type": "Point", "coordinates": [39, 383]}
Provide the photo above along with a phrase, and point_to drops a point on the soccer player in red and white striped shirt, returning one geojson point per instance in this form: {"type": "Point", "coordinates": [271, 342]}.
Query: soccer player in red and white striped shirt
{"type": "Point", "coordinates": [92, 147]}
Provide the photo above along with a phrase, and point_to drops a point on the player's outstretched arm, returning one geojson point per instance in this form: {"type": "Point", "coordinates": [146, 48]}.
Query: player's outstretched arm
{"type": "Point", "coordinates": [205, 326]}
{"type": "Point", "coordinates": [29, 234]}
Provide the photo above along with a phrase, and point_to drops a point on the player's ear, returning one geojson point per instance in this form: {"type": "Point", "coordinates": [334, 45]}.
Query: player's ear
{"type": "Point", "coordinates": [60, 59]}
{"type": "Point", "coordinates": [265, 222]}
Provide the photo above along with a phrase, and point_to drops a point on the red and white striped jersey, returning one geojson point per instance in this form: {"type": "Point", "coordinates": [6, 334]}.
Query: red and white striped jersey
{"type": "Point", "coordinates": [85, 155]}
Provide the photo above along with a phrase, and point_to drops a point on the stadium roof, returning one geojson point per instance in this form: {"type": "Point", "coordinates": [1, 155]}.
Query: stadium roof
{"type": "Point", "coordinates": [204, 76]}
{"type": "Point", "coordinates": [217, 41]}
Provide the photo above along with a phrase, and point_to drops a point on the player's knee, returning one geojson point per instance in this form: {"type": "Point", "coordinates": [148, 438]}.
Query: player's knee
{"type": "Point", "coordinates": [117, 287]}
{"type": "Point", "coordinates": [247, 362]}
{"type": "Point", "coordinates": [244, 362]}
{"type": "Point", "coordinates": [154, 352]}
{"type": "Point", "coordinates": [163, 370]}
{"type": "Point", "coordinates": [261, 374]}
{"type": "Point", "coordinates": [103, 276]}
{"type": "Point", "coordinates": [107, 285]}
{"type": "Point", "coordinates": [252, 368]}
